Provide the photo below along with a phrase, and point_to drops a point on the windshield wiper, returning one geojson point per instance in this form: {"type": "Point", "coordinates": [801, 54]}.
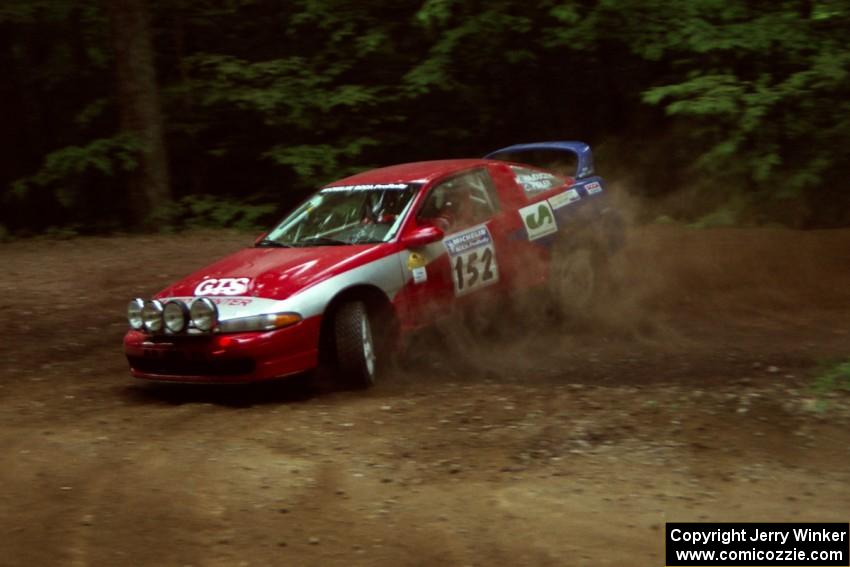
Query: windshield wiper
{"type": "Point", "coordinates": [322, 241]}
{"type": "Point", "coordinates": [266, 243]}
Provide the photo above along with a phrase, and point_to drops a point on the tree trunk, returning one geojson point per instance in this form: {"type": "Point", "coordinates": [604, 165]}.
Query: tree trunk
{"type": "Point", "coordinates": [138, 100]}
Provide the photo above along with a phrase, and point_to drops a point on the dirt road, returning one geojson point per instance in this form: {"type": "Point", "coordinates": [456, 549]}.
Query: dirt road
{"type": "Point", "coordinates": [684, 398]}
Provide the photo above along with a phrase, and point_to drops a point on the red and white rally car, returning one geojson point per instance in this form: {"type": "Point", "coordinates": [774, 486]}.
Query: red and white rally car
{"type": "Point", "coordinates": [365, 261]}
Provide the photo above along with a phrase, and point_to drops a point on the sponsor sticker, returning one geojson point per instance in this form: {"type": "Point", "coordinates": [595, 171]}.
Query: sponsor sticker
{"type": "Point", "coordinates": [539, 220]}
{"type": "Point", "coordinates": [223, 286]}
{"type": "Point", "coordinates": [420, 275]}
{"type": "Point", "coordinates": [593, 187]}
{"type": "Point", "coordinates": [564, 199]}
{"type": "Point", "coordinates": [535, 181]}
{"type": "Point", "coordinates": [473, 238]}
{"type": "Point", "coordinates": [233, 302]}
{"type": "Point", "coordinates": [416, 260]}
{"type": "Point", "coordinates": [473, 259]}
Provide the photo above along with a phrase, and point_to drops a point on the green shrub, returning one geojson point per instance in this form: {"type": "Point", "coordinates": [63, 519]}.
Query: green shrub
{"type": "Point", "coordinates": [208, 211]}
{"type": "Point", "coordinates": [831, 378]}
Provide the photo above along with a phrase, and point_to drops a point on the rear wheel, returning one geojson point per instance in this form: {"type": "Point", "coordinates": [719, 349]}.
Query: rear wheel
{"type": "Point", "coordinates": [573, 280]}
{"type": "Point", "coordinates": [356, 347]}
{"type": "Point", "coordinates": [578, 274]}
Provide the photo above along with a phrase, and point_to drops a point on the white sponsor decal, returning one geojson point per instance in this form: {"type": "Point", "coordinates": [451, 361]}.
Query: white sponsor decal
{"type": "Point", "coordinates": [420, 275]}
{"type": "Point", "coordinates": [539, 220]}
{"type": "Point", "coordinates": [593, 187]}
{"type": "Point", "coordinates": [473, 259]}
{"type": "Point", "coordinates": [223, 286]}
{"type": "Point", "coordinates": [536, 181]}
{"type": "Point", "coordinates": [564, 199]}
{"type": "Point", "coordinates": [366, 187]}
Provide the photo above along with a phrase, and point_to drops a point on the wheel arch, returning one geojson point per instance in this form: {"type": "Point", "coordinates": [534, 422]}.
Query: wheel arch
{"type": "Point", "coordinates": [378, 305]}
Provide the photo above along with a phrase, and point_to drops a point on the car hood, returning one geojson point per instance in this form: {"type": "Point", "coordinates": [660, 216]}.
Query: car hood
{"type": "Point", "coordinates": [274, 273]}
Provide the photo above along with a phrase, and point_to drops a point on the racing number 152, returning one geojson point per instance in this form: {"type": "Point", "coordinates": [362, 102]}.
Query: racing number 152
{"type": "Point", "coordinates": [467, 265]}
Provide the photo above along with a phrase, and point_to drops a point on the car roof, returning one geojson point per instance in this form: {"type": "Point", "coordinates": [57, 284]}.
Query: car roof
{"type": "Point", "coordinates": [421, 171]}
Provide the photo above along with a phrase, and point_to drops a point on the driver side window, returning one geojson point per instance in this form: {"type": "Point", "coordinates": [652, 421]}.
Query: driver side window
{"type": "Point", "coordinates": [460, 202]}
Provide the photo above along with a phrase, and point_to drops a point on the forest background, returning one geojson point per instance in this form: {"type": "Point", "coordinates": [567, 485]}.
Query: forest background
{"type": "Point", "coordinates": [158, 115]}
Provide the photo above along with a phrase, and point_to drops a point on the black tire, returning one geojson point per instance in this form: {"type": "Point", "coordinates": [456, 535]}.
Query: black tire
{"type": "Point", "coordinates": [579, 275]}
{"type": "Point", "coordinates": [356, 348]}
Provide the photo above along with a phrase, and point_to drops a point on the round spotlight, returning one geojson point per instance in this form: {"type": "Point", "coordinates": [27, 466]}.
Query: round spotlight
{"type": "Point", "coordinates": [175, 315]}
{"type": "Point", "coordinates": [152, 316]}
{"type": "Point", "coordinates": [134, 314]}
{"type": "Point", "coordinates": [204, 314]}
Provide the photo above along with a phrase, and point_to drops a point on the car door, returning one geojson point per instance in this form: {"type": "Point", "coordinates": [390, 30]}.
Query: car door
{"type": "Point", "coordinates": [466, 265]}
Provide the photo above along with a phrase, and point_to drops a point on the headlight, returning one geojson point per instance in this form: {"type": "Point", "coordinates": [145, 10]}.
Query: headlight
{"type": "Point", "coordinates": [152, 316]}
{"type": "Point", "coordinates": [267, 322]}
{"type": "Point", "coordinates": [176, 316]}
{"type": "Point", "coordinates": [134, 313]}
{"type": "Point", "coordinates": [204, 314]}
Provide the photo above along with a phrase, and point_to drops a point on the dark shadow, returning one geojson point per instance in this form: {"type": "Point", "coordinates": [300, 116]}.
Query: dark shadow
{"type": "Point", "coordinates": [292, 389]}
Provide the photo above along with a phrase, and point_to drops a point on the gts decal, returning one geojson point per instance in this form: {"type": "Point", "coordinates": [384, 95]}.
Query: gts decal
{"type": "Point", "coordinates": [223, 286]}
{"type": "Point", "coordinates": [539, 220]}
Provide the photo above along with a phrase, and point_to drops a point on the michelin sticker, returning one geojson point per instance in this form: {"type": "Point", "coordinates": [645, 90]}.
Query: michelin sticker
{"type": "Point", "coordinates": [564, 199]}
{"type": "Point", "coordinates": [593, 188]}
{"type": "Point", "coordinates": [473, 259]}
{"type": "Point", "coordinates": [539, 220]}
{"type": "Point", "coordinates": [223, 286]}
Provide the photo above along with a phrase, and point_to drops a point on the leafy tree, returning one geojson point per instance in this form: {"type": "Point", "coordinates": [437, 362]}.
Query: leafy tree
{"type": "Point", "coordinates": [744, 104]}
{"type": "Point", "coordinates": [138, 100]}
{"type": "Point", "coordinates": [766, 85]}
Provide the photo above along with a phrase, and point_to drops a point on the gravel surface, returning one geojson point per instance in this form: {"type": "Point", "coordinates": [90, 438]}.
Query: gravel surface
{"type": "Point", "coordinates": [685, 396]}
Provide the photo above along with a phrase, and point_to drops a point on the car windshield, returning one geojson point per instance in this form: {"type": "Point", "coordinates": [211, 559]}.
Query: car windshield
{"type": "Point", "coordinates": [345, 214]}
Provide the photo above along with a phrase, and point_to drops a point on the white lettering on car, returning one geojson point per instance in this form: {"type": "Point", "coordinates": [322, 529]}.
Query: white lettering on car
{"type": "Point", "coordinates": [223, 286]}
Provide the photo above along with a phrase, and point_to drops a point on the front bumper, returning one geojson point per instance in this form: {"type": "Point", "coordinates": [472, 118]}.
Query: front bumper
{"type": "Point", "coordinates": [224, 358]}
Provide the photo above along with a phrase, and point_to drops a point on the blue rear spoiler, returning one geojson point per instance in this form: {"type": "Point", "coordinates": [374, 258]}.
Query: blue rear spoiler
{"type": "Point", "coordinates": [584, 156]}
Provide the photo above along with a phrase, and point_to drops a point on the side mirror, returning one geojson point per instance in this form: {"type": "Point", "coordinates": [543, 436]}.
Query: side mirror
{"type": "Point", "coordinates": [261, 237]}
{"type": "Point", "coordinates": [421, 236]}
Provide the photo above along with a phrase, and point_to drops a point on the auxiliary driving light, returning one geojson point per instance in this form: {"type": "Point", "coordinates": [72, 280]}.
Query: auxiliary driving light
{"type": "Point", "coordinates": [134, 314]}
{"type": "Point", "coordinates": [176, 316]}
{"type": "Point", "coordinates": [204, 314]}
{"type": "Point", "coordinates": [152, 316]}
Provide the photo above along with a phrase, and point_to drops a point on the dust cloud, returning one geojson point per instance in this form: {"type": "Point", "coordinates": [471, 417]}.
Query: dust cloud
{"type": "Point", "coordinates": [669, 292]}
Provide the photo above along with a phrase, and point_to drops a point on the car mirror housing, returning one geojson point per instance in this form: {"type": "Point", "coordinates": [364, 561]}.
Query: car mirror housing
{"type": "Point", "coordinates": [260, 238]}
{"type": "Point", "coordinates": [421, 236]}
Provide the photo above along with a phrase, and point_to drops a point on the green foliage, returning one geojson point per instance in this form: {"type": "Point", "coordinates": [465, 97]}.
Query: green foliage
{"type": "Point", "coordinates": [207, 211]}
{"type": "Point", "coordinates": [62, 168]}
{"type": "Point", "coordinates": [62, 232]}
{"type": "Point", "coordinates": [318, 162]}
{"type": "Point", "coordinates": [831, 378]}
{"type": "Point", "coordinates": [264, 101]}
{"type": "Point", "coordinates": [766, 87]}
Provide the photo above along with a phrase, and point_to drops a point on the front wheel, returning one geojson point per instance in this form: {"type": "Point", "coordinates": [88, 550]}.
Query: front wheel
{"type": "Point", "coordinates": [356, 351]}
